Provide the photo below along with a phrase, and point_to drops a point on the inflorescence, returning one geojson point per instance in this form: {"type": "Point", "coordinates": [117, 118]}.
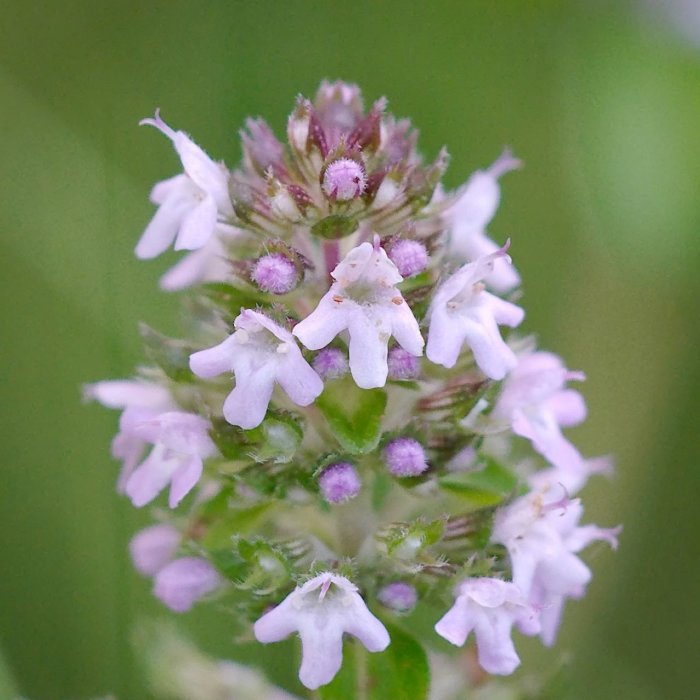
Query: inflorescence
{"type": "Point", "coordinates": [349, 429]}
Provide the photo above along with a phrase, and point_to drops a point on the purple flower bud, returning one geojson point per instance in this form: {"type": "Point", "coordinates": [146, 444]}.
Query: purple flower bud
{"type": "Point", "coordinates": [330, 363]}
{"type": "Point", "coordinates": [410, 257]}
{"type": "Point", "coordinates": [344, 180]}
{"type": "Point", "coordinates": [151, 549]}
{"type": "Point", "coordinates": [339, 482]}
{"type": "Point", "coordinates": [275, 273]}
{"type": "Point", "coordinates": [398, 596]}
{"type": "Point", "coordinates": [405, 457]}
{"type": "Point", "coordinates": [184, 581]}
{"type": "Point", "coordinates": [403, 365]}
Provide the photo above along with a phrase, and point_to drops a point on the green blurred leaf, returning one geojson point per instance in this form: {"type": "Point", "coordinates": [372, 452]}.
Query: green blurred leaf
{"type": "Point", "coordinates": [485, 487]}
{"type": "Point", "coordinates": [353, 414]}
{"type": "Point", "coordinates": [171, 355]}
{"type": "Point", "coordinates": [401, 671]}
{"type": "Point", "coordinates": [334, 226]}
{"type": "Point", "coordinates": [231, 523]}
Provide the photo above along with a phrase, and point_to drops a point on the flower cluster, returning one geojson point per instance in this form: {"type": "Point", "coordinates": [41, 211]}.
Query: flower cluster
{"type": "Point", "coordinates": [349, 356]}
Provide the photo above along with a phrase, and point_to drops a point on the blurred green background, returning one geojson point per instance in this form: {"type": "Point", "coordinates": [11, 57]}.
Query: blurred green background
{"type": "Point", "coordinates": [600, 99]}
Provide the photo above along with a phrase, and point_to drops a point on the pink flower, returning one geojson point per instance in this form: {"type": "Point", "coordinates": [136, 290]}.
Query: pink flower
{"type": "Point", "coordinates": [537, 404]}
{"type": "Point", "coordinates": [189, 205]}
{"type": "Point", "coordinates": [153, 547]}
{"type": "Point", "coordinates": [321, 611]}
{"type": "Point", "coordinates": [140, 401]}
{"type": "Point", "coordinates": [259, 353]}
{"type": "Point", "coordinates": [463, 311]}
{"type": "Point", "coordinates": [469, 216]}
{"type": "Point", "coordinates": [488, 607]}
{"type": "Point", "coordinates": [181, 443]}
{"type": "Point", "coordinates": [542, 537]}
{"type": "Point", "coordinates": [182, 582]}
{"type": "Point", "coordinates": [365, 301]}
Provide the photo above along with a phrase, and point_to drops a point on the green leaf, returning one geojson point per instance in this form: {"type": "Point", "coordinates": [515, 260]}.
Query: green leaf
{"type": "Point", "coordinates": [401, 671]}
{"type": "Point", "coordinates": [171, 355]}
{"type": "Point", "coordinates": [353, 414]}
{"type": "Point", "coordinates": [231, 298]}
{"type": "Point", "coordinates": [232, 523]}
{"type": "Point", "coordinates": [334, 226]}
{"type": "Point", "coordinates": [486, 487]}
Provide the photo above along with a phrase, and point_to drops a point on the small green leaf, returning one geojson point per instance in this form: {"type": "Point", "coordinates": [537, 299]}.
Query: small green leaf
{"type": "Point", "coordinates": [354, 414]}
{"type": "Point", "coordinates": [233, 522]}
{"type": "Point", "coordinates": [334, 226]}
{"type": "Point", "coordinates": [401, 671]}
{"type": "Point", "coordinates": [171, 355]}
{"type": "Point", "coordinates": [486, 487]}
{"type": "Point", "coordinates": [231, 298]}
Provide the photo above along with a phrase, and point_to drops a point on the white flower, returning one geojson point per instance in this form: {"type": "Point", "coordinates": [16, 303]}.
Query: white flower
{"type": "Point", "coordinates": [536, 403]}
{"type": "Point", "coordinates": [463, 311]}
{"type": "Point", "coordinates": [140, 401]}
{"type": "Point", "coordinates": [542, 537]}
{"type": "Point", "coordinates": [321, 611]}
{"type": "Point", "coordinates": [469, 216]}
{"type": "Point", "coordinates": [259, 353]}
{"type": "Point", "coordinates": [364, 299]}
{"type": "Point", "coordinates": [189, 204]}
{"type": "Point", "coordinates": [181, 443]}
{"type": "Point", "coordinates": [489, 607]}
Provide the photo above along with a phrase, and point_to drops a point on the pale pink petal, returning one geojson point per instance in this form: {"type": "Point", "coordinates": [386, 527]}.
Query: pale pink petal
{"type": "Point", "coordinates": [503, 312]}
{"type": "Point", "coordinates": [322, 650]}
{"type": "Point", "coordinates": [495, 649]}
{"type": "Point", "coordinates": [493, 357]}
{"type": "Point", "coordinates": [277, 624]}
{"type": "Point", "coordinates": [456, 624]}
{"type": "Point", "coordinates": [185, 479]}
{"type": "Point", "coordinates": [298, 379]}
{"type": "Point", "coordinates": [163, 228]}
{"type": "Point", "coordinates": [366, 627]}
{"type": "Point", "coordinates": [567, 407]}
{"type": "Point", "coordinates": [324, 323]}
{"type": "Point", "coordinates": [122, 393]}
{"type": "Point", "coordinates": [184, 581]}
{"type": "Point", "coordinates": [198, 225]}
{"type": "Point", "coordinates": [213, 361]}
{"type": "Point", "coordinates": [405, 329]}
{"type": "Point", "coordinates": [445, 338]}
{"type": "Point", "coordinates": [247, 404]}
{"type": "Point", "coordinates": [152, 548]}
{"type": "Point", "coordinates": [172, 186]}
{"type": "Point", "coordinates": [151, 477]}
{"type": "Point", "coordinates": [368, 349]}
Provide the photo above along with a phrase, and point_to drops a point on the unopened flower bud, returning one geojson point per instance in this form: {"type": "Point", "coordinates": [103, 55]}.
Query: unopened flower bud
{"type": "Point", "coordinates": [398, 596]}
{"type": "Point", "coordinates": [344, 180]}
{"type": "Point", "coordinates": [331, 363]}
{"type": "Point", "coordinates": [275, 273]}
{"type": "Point", "coordinates": [405, 457]}
{"type": "Point", "coordinates": [339, 483]}
{"type": "Point", "coordinates": [403, 365]}
{"type": "Point", "coordinates": [410, 257]}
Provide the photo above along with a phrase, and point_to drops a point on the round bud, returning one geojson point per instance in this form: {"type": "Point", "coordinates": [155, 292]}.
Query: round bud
{"type": "Point", "coordinates": [403, 365]}
{"type": "Point", "coordinates": [405, 457]}
{"type": "Point", "coordinates": [344, 180]}
{"type": "Point", "coordinates": [330, 363]}
{"type": "Point", "coordinates": [410, 257]}
{"type": "Point", "coordinates": [398, 596]}
{"type": "Point", "coordinates": [339, 482]}
{"type": "Point", "coordinates": [275, 273]}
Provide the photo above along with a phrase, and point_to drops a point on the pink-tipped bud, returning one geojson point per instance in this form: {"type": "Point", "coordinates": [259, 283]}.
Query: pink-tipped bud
{"type": "Point", "coordinates": [344, 180]}
{"type": "Point", "coordinates": [403, 365]}
{"type": "Point", "coordinates": [398, 596]}
{"type": "Point", "coordinates": [410, 257]}
{"type": "Point", "coordinates": [331, 363]}
{"type": "Point", "coordinates": [405, 457]}
{"type": "Point", "coordinates": [339, 483]}
{"type": "Point", "coordinates": [275, 273]}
